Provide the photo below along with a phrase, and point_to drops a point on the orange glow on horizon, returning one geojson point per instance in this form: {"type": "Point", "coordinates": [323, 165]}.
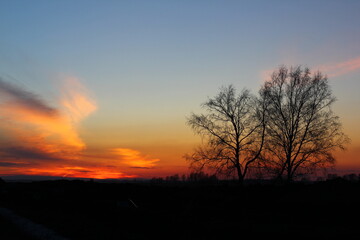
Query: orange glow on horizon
{"type": "Point", "coordinates": [69, 171]}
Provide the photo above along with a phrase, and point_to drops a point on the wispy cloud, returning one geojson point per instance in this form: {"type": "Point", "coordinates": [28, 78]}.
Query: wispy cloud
{"type": "Point", "coordinates": [134, 158]}
{"type": "Point", "coordinates": [330, 69]}
{"type": "Point", "coordinates": [340, 68]}
{"type": "Point", "coordinates": [34, 133]}
{"type": "Point", "coordinates": [75, 100]}
{"type": "Point", "coordinates": [41, 139]}
{"type": "Point", "coordinates": [29, 121]}
{"type": "Point", "coordinates": [20, 97]}
{"type": "Point", "coordinates": [31, 154]}
{"type": "Point", "coordinates": [8, 164]}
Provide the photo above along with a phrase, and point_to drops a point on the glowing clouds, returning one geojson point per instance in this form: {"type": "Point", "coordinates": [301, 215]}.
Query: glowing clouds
{"type": "Point", "coordinates": [31, 127]}
{"type": "Point", "coordinates": [134, 158]}
{"type": "Point", "coordinates": [76, 101]}
{"type": "Point", "coordinates": [40, 139]}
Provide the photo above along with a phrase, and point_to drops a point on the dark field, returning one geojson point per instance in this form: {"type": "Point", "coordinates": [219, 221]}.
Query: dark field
{"type": "Point", "coordinates": [90, 210]}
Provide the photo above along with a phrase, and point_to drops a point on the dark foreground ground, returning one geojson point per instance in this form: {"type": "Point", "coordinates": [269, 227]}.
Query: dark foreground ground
{"type": "Point", "coordinates": [90, 210]}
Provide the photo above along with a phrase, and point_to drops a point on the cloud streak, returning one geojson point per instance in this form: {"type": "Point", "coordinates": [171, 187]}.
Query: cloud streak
{"type": "Point", "coordinates": [34, 131]}
{"type": "Point", "coordinates": [134, 158]}
{"type": "Point", "coordinates": [75, 100]}
{"type": "Point", "coordinates": [332, 70]}
{"type": "Point", "coordinates": [41, 139]}
{"type": "Point", "coordinates": [19, 152]}
{"type": "Point", "coordinates": [12, 94]}
{"type": "Point", "coordinates": [340, 68]}
{"type": "Point", "coordinates": [39, 128]}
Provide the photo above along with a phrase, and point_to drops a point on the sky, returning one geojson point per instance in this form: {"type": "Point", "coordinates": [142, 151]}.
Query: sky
{"type": "Point", "coordinates": [102, 89]}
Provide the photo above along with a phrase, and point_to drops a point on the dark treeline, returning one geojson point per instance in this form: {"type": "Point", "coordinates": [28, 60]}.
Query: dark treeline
{"type": "Point", "coordinates": [193, 177]}
{"type": "Point", "coordinates": [201, 177]}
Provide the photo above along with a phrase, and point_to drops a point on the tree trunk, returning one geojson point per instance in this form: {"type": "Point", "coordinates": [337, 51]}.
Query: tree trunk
{"type": "Point", "coordinates": [289, 176]}
{"type": "Point", "coordinates": [240, 175]}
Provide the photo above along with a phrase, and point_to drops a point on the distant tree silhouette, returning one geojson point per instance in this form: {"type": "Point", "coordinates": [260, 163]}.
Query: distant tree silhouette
{"type": "Point", "coordinates": [201, 177]}
{"type": "Point", "coordinates": [233, 132]}
{"type": "Point", "coordinates": [173, 178]}
{"type": "Point", "coordinates": [301, 130]}
{"type": "Point", "coordinates": [183, 177]}
{"type": "Point", "coordinates": [157, 180]}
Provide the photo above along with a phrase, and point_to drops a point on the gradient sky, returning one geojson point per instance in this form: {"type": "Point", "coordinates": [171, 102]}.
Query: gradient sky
{"type": "Point", "coordinates": [102, 88]}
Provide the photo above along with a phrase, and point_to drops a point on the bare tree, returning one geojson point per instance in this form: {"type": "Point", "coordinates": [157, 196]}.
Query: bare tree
{"type": "Point", "coordinates": [301, 131]}
{"type": "Point", "coordinates": [233, 132]}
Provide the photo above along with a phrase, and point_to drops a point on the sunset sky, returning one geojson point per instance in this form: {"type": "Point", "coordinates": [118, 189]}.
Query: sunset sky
{"type": "Point", "coordinates": [102, 89]}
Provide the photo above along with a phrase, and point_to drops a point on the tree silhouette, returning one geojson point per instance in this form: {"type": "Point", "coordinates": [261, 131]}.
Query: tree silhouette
{"type": "Point", "coordinates": [301, 130]}
{"type": "Point", "coordinates": [233, 132]}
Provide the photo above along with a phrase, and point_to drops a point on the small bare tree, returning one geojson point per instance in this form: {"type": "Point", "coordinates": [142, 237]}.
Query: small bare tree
{"type": "Point", "coordinates": [301, 131]}
{"type": "Point", "coordinates": [233, 132]}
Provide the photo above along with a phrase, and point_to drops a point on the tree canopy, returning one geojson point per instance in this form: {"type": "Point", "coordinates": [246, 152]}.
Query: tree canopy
{"type": "Point", "coordinates": [288, 129]}
{"type": "Point", "coordinates": [233, 129]}
{"type": "Point", "coordinates": [302, 131]}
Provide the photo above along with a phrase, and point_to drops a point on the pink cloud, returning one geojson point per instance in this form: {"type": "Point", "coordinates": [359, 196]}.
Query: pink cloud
{"type": "Point", "coordinates": [341, 68]}
{"type": "Point", "coordinates": [331, 69]}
